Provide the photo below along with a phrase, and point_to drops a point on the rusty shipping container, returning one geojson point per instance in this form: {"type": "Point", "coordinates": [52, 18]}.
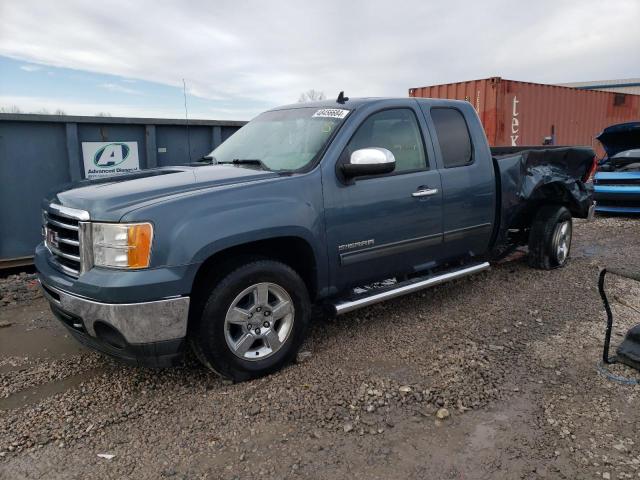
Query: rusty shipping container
{"type": "Point", "coordinates": [522, 113]}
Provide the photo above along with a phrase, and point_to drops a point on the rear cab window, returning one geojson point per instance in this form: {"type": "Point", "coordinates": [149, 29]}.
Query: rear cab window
{"type": "Point", "coordinates": [453, 137]}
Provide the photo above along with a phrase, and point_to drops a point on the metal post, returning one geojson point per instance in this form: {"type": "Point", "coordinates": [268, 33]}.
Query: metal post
{"type": "Point", "coordinates": [607, 308]}
{"type": "Point", "coordinates": [76, 170]}
{"type": "Point", "coordinates": [216, 138]}
{"type": "Point", "coordinates": [150, 145]}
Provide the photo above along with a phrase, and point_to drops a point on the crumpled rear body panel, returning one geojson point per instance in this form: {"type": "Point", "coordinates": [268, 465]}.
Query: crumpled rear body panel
{"type": "Point", "coordinates": [530, 178]}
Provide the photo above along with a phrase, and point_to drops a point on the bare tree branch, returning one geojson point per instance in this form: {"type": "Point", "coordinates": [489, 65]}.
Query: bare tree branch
{"type": "Point", "coordinates": [311, 96]}
{"type": "Point", "coordinates": [10, 109]}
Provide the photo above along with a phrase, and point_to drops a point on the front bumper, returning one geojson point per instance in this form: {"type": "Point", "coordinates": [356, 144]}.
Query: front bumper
{"type": "Point", "coordinates": [147, 333]}
{"type": "Point", "coordinates": [617, 209]}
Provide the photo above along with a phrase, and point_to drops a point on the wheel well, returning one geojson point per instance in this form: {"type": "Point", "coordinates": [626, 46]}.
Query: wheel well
{"type": "Point", "coordinates": [293, 251]}
{"type": "Point", "coordinates": [549, 194]}
{"type": "Point", "coordinates": [557, 194]}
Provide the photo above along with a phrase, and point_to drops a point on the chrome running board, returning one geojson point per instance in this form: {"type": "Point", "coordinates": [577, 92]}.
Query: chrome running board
{"type": "Point", "coordinates": [404, 288]}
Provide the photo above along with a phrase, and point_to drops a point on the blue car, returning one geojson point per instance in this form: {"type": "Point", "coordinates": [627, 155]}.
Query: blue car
{"type": "Point", "coordinates": [617, 182]}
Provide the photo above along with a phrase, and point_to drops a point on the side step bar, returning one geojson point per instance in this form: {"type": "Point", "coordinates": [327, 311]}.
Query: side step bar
{"type": "Point", "coordinates": [404, 288]}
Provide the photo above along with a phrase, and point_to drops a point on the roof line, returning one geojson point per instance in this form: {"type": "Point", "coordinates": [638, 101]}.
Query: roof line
{"type": "Point", "coordinates": [607, 85]}
{"type": "Point", "coordinates": [34, 117]}
{"type": "Point", "coordinates": [497, 79]}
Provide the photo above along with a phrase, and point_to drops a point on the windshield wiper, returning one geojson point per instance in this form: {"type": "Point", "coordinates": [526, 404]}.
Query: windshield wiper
{"type": "Point", "coordinates": [246, 161]}
{"type": "Point", "coordinates": [204, 161]}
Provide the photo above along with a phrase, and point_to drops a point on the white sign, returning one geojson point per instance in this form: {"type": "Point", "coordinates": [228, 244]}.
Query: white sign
{"type": "Point", "coordinates": [515, 123]}
{"type": "Point", "coordinates": [331, 113]}
{"type": "Point", "coordinates": [103, 159]}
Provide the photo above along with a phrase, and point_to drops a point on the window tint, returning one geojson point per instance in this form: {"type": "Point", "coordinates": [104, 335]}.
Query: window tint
{"type": "Point", "coordinates": [453, 137]}
{"type": "Point", "coordinates": [396, 130]}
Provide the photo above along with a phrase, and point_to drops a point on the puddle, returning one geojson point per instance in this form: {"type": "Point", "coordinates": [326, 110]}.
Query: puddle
{"type": "Point", "coordinates": [482, 437]}
{"type": "Point", "coordinates": [398, 372]}
{"type": "Point", "coordinates": [16, 341]}
{"type": "Point", "coordinates": [591, 250]}
{"type": "Point", "coordinates": [37, 393]}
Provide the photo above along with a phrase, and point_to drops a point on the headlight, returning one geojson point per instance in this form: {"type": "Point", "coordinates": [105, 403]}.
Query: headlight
{"type": "Point", "coordinates": [122, 245]}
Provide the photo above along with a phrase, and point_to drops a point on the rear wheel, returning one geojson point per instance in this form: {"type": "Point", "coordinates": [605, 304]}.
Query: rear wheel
{"type": "Point", "coordinates": [550, 237]}
{"type": "Point", "coordinates": [253, 322]}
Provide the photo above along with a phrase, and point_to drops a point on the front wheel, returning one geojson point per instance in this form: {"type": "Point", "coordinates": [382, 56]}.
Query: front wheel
{"type": "Point", "coordinates": [253, 322]}
{"type": "Point", "coordinates": [550, 237]}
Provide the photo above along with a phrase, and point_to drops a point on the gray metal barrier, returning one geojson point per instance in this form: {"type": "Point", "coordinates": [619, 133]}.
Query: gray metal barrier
{"type": "Point", "coordinates": [39, 153]}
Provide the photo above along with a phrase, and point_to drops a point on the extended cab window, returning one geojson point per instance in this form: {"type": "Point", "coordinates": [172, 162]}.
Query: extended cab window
{"type": "Point", "coordinates": [453, 137]}
{"type": "Point", "coordinates": [396, 130]}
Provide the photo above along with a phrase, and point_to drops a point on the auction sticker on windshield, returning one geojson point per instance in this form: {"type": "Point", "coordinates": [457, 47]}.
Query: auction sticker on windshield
{"type": "Point", "coordinates": [331, 113]}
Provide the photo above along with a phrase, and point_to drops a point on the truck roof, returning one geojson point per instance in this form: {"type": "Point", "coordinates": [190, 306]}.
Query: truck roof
{"type": "Point", "coordinates": [354, 103]}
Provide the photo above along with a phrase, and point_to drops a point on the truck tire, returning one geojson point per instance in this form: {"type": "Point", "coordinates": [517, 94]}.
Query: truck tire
{"type": "Point", "coordinates": [253, 321]}
{"type": "Point", "coordinates": [550, 237]}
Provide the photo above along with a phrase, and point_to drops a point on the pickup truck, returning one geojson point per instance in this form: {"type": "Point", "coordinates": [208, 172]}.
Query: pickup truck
{"type": "Point", "coordinates": [301, 207]}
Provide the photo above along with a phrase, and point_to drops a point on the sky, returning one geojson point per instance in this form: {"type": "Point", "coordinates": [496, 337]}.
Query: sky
{"type": "Point", "coordinates": [239, 57]}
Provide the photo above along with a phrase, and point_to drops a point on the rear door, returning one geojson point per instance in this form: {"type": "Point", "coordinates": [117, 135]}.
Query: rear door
{"type": "Point", "coordinates": [467, 176]}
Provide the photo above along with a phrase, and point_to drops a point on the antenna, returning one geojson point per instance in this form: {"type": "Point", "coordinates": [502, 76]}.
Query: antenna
{"type": "Point", "coordinates": [186, 117]}
{"type": "Point", "coordinates": [341, 98]}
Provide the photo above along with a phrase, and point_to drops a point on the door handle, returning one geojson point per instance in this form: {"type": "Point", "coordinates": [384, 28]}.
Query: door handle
{"type": "Point", "coordinates": [425, 192]}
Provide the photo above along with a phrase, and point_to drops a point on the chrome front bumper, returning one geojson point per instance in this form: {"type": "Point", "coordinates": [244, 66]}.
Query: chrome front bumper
{"type": "Point", "coordinates": [139, 323]}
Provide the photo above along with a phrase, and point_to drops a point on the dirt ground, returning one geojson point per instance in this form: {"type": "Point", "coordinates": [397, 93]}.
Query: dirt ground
{"type": "Point", "coordinates": [511, 354]}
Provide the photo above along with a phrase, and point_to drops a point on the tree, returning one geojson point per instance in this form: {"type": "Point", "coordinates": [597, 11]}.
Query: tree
{"type": "Point", "coordinates": [42, 111]}
{"type": "Point", "coordinates": [311, 96]}
{"type": "Point", "coordinates": [10, 109]}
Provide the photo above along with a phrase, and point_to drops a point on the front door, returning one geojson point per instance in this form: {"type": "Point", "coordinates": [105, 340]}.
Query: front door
{"type": "Point", "coordinates": [384, 225]}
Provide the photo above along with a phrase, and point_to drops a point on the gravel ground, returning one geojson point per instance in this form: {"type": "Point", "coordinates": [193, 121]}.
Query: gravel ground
{"type": "Point", "coordinates": [492, 376]}
{"type": "Point", "coordinates": [18, 288]}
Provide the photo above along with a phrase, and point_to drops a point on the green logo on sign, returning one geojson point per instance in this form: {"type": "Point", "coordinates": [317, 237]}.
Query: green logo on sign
{"type": "Point", "coordinates": [111, 155]}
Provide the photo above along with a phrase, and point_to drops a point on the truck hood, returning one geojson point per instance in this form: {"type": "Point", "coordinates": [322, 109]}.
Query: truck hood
{"type": "Point", "coordinates": [620, 137]}
{"type": "Point", "coordinates": [109, 199]}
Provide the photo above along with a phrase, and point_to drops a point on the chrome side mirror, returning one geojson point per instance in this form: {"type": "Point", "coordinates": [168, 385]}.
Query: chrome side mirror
{"type": "Point", "coordinates": [369, 161]}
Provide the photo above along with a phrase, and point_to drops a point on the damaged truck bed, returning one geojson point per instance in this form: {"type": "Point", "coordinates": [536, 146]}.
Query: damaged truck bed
{"type": "Point", "coordinates": [528, 177]}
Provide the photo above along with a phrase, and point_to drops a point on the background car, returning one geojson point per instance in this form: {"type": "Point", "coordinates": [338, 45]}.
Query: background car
{"type": "Point", "coordinates": [617, 182]}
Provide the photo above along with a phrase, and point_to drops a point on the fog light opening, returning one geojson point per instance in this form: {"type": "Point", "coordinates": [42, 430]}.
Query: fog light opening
{"type": "Point", "coordinates": [109, 335]}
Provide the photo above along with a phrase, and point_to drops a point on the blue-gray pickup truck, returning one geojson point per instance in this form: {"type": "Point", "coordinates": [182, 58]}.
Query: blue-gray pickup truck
{"type": "Point", "coordinates": [301, 207]}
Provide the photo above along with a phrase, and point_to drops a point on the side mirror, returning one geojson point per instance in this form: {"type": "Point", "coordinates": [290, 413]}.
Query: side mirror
{"type": "Point", "coordinates": [369, 161]}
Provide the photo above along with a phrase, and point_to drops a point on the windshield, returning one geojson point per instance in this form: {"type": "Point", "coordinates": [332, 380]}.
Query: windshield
{"type": "Point", "coordinates": [281, 139]}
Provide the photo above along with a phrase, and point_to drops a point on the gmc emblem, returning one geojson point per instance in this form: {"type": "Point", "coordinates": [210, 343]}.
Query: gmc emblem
{"type": "Point", "coordinates": [52, 238]}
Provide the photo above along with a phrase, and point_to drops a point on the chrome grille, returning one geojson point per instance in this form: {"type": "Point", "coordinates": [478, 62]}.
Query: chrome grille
{"type": "Point", "coordinates": [63, 236]}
